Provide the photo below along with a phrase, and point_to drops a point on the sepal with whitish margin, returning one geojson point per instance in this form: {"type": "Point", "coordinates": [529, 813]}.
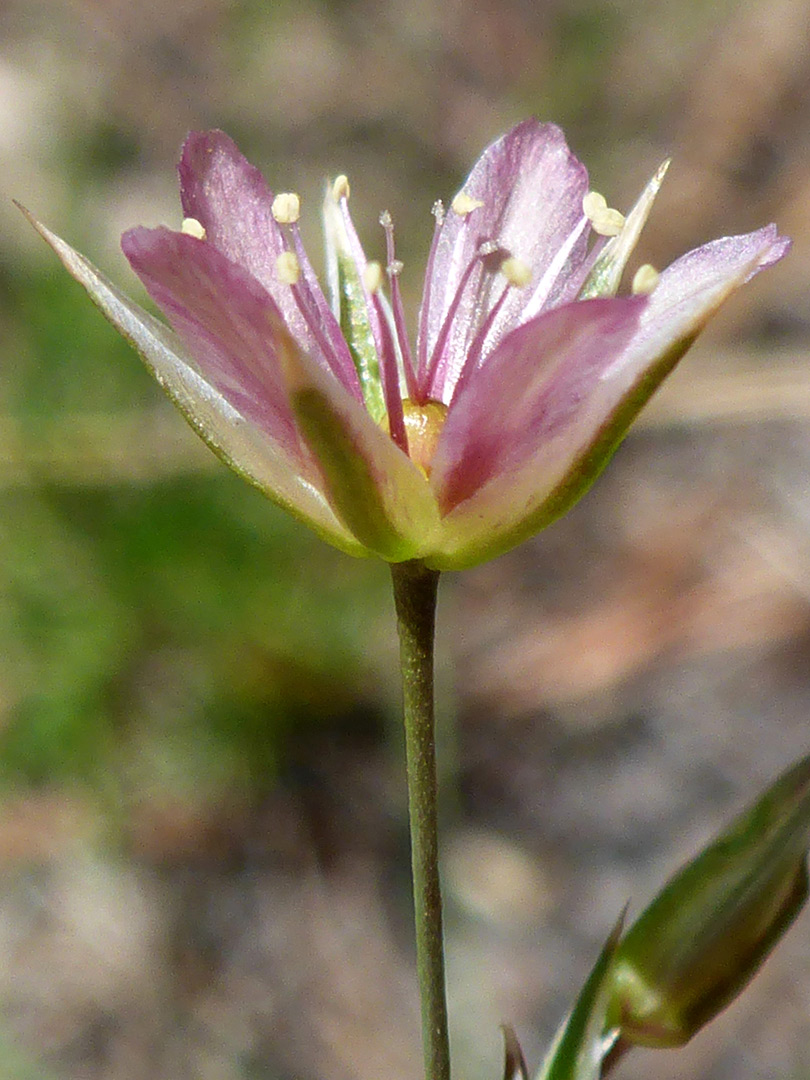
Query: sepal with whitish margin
{"type": "Point", "coordinates": [606, 275]}
{"type": "Point", "coordinates": [706, 934]}
{"type": "Point", "coordinates": [582, 1041]}
{"type": "Point", "coordinates": [372, 485]}
{"type": "Point", "coordinates": [345, 265]}
{"type": "Point", "coordinates": [239, 443]}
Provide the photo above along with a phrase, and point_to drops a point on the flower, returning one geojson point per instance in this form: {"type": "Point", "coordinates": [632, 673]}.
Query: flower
{"type": "Point", "coordinates": [527, 372]}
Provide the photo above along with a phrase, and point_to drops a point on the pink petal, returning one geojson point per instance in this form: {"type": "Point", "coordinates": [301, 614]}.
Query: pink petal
{"type": "Point", "coordinates": [527, 395]}
{"type": "Point", "coordinates": [587, 408]}
{"type": "Point", "coordinates": [230, 199]}
{"type": "Point", "coordinates": [226, 320]}
{"type": "Point", "coordinates": [532, 187]}
{"type": "Point", "coordinates": [246, 448]}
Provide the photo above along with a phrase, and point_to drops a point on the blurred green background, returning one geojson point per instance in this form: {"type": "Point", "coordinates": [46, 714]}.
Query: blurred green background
{"type": "Point", "coordinates": [202, 840]}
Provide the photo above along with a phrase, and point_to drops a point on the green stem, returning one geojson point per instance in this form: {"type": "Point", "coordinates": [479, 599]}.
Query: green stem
{"type": "Point", "coordinates": [415, 590]}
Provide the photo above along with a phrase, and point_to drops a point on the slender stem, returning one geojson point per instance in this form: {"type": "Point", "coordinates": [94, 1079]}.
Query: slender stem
{"type": "Point", "coordinates": [415, 590]}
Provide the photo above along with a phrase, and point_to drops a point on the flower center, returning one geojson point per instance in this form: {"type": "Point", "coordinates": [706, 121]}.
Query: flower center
{"type": "Point", "coordinates": [423, 426]}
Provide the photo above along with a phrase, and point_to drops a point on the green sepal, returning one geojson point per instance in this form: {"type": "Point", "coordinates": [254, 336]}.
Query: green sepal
{"type": "Point", "coordinates": [606, 275]}
{"type": "Point", "coordinates": [350, 306]}
{"type": "Point", "coordinates": [706, 934]}
{"type": "Point", "coordinates": [584, 1038]}
{"type": "Point", "coordinates": [354, 483]}
{"type": "Point", "coordinates": [357, 330]}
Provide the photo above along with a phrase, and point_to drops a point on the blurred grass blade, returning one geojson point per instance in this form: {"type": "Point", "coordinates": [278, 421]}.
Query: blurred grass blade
{"type": "Point", "coordinates": [706, 934]}
{"type": "Point", "coordinates": [581, 1043]}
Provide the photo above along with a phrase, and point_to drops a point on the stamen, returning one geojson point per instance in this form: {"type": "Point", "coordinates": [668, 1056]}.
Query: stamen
{"type": "Point", "coordinates": [288, 268]}
{"type": "Point", "coordinates": [609, 223]}
{"type": "Point", "coordinates": [394, 269]}
{"type": "Point", "coordinates": [424, 312]}
{"type": "Point", "coordinates": [464, 204]}
{"type": "Point", "coordinates": [372, 276]}
{"type": "Point", "coordinates": [192, 227]}
{"type": "Point", "coordinates": [516, 272]}
{"type": "Point", "coordinates": [593, 203]}
{"type": "Point", "coordinates": [352, 248]}
{"type": "Point", "coordinates": [604, 220]}
{"type": "Point", "coordinates": [428, 376]}
{"type": "Point", "coordinates": [286, 208]}
{"type": "Point", "coordinates": [340, 188]}
{"type": "Point", "coordinates": [553, 270]}
{"type": "Point", "coordinates": [389, 373]}
{"type": "Point", "coordinates": [645, 280]}
{"type": "Point", "coordinates": [477, 346]}
{"type": "Point", "coordinates": [293, 269]}
{"type": "Point", "coordinates": [321, 321]}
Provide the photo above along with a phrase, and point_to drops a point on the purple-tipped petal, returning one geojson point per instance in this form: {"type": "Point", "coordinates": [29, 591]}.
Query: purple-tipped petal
{"type": "Point", "coordinates": [525, 398]}
{"type": "Point", "coordinates": [230, 199]}
{"type": "Point", "coordinates": [372, 485]}
{"type": "Point", "coordinates": [531, 187]}
{"type": "Point", "coordinates": [226, 320]}
{"type": "Point", "coordinates": [242, 445]}
{"type": "Point", "coordinates": [596, 405]}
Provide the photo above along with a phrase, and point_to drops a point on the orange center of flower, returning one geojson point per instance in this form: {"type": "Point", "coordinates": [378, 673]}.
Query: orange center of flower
{"type": "Point", "coordinates": [423, 425]}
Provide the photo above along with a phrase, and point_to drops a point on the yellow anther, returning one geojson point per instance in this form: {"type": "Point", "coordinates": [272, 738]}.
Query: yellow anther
{"type": "Point", "coordinates": [644, 280]}
{"type": "Point", "coordinates": [340, 188]}
{"type": "Point", "coordinates": [516, 272]}
{"type": "Point", "coordinates": [464, 204]}
{"type": "Point", "coordinates": [192, 227]}
{"type": "Point", "coordinates": [288, 268]}
{"type": "Point", "coordinates": [608, 223]}
{"type": "Point", "coordinates": [372, 276]}
{"type": "Point", "coordinates": [593, 204]}
{"type": "Point", "coordinates": [603, 219]}
{"type": "Point", "coordinates": [286, 208]}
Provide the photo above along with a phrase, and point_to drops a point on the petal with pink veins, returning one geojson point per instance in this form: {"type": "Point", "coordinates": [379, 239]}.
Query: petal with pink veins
{"type": "Point", "coordinates": [531, 188]}
{"type": "Point", "coordinates": [225, 318]}
{"type": "Point", "coordinates": [525, 398]}
{"type": "Point", "coordinates": [232, 202]}
{"type": "Point", "coordinates": [586, 403]}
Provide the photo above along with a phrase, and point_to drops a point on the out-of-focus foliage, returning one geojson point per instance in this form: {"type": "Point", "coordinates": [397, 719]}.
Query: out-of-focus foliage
{"type": "Point", "coordinates": [159, 634]}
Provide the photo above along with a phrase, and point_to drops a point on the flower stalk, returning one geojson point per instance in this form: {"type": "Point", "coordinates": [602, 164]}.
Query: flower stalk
{"type": "Point", "coordinates": [415, 592]}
